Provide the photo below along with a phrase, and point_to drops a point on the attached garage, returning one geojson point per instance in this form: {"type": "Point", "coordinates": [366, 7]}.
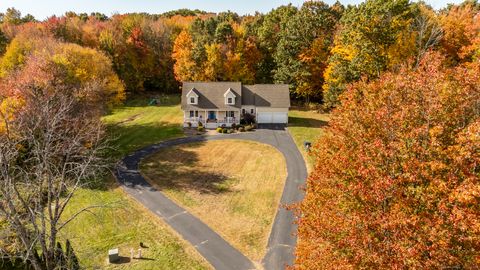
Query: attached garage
{"type": "Point", "coordinates": [272, 117]}
{"type": "Point", "coordinates": [268, 102]}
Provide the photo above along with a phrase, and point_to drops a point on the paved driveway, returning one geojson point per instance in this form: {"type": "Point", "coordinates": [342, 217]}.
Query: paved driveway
{"type": "Point", "coordinates": [218, 252]}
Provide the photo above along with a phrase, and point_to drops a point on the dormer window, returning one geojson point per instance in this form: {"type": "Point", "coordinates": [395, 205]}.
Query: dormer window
{"type": "Point", "coordinates": [229, 97]}
{"type": "Point", "coordinates": [192, 97]}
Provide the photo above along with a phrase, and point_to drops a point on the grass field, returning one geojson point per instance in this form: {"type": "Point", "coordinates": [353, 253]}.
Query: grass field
{"type": "Point", "coordinates": [136, 124]}
{"type": "Point", "coordinates": [125, 223]}
{"type": "Point", "coordinates": [305, 125]}
{"type": "Point", "coordinates": [230, 185]}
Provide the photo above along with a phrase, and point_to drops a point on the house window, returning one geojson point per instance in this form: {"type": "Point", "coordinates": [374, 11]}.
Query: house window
{"type": "Point", "coordinates": [252, 111]}
{"type": "Point", "coordinates": [230, 114]}
{"type": "Point", "coordinates": [192, 100]}
{"type": "Point", "coordinates": [191, 114]}
{"type": "Point", "coordinates": [243, 111]}
{"type": "Point", "coordinates": [229, 100]}
{"type": "Point", "coordinates": [196, 113]}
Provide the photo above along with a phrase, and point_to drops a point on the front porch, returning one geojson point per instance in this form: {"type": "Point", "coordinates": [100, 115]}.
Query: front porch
{"type": "Point", "coordinates": [211, 119]}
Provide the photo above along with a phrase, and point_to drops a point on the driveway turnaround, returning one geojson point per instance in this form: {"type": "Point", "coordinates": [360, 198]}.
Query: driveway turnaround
{"type": "Point", "coordinates": [218, 252]}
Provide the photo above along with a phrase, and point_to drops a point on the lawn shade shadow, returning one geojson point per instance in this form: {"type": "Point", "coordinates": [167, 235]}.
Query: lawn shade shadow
{"type": "Point", "coordinates": [178, 169]}
{"type": "Point", "coordinates": [306, 122]}
{"type": "Point", "coordinates": [121, 260]}
{"type": "Point", "coordinates": [127, 138]}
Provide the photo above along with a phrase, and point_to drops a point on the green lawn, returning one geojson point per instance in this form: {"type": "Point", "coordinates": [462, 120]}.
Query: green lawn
{"type": "Point", "coordinates": [125, 223]}
{"type": "Point", "coordinates": [305, 125]}
{"type": "Point", "coordinates": [136, 124]}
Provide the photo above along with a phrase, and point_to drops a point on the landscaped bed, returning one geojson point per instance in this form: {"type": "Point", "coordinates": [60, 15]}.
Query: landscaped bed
{"type": "Point", "coordinates": [233, 186]}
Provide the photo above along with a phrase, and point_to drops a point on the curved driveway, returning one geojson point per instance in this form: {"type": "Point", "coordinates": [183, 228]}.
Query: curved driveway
{"type": "Point", "coordinates": [217, 251]}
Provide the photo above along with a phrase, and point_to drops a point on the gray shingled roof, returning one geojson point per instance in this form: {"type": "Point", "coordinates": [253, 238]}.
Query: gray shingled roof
{"type": "Point", "coordinates": [260, 95]}
{"type": "Point", "coordinates": [267, 95]}
{"type": "Point", "coordinates": [211, 95]}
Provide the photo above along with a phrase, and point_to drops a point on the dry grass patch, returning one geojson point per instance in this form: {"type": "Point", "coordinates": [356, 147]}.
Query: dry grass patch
{"type": "Point", "coordinates": [233, 186]}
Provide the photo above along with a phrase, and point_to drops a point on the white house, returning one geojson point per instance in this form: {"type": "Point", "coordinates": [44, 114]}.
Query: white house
{"type": "Point", "coordinates": [215, 104]}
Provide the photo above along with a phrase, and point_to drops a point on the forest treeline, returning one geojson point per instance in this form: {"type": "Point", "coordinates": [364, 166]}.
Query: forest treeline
{"type": "Point", "coordinates": [396, 184]}
{"type": "Point", "coordinates": [317, 48]}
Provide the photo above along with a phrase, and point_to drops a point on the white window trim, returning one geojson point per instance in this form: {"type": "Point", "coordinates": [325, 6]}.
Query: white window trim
{"type": "Point", "coordinates": [229, 94]}
{"type": "Point", "coordinates": [191, 94]}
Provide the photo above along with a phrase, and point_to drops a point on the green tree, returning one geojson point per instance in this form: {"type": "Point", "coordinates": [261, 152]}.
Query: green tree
{"type": "Point", "coordinates": [308, 32]}
{"type": "Point", "coordinates": [369, 34]}
{"type": "Point", "coordinates": [273, 25]}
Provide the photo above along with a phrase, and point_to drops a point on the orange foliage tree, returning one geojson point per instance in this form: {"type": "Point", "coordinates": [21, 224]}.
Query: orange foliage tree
{"type": "Point", "coordinates": [461, 29]}
{"type": "Point", "coordinates": [184, 67]}
{"type": "Point", "coordinates": [397, 179]}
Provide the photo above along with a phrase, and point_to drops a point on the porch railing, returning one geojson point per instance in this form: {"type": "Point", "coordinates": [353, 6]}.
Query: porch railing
{"type": "Point", "coordinates": [228, 120]}
{"type": "Point", "coordinates": [194, 120]}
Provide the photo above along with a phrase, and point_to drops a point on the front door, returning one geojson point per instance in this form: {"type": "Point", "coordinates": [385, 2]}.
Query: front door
{"type": "Point", "coordinates": [211, 115]}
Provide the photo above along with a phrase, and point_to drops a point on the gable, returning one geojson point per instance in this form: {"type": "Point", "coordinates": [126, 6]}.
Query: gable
{"type": "Point", "coordinates": [229, 94]}
{"type": "Point", "coordinates": [212, 95]}
{"type": "Point", "coordinates": [192, 93]}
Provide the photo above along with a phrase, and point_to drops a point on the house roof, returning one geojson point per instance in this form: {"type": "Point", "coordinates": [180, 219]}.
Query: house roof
{"type": "Point", "coordinates": [211, 95]}
{"type": "Point", "coordinates": [266, 95]}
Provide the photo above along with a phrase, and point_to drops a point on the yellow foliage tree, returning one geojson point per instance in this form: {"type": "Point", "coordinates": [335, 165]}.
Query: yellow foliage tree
{"type": "Point", "coordinates": [213, 68]}
{"type": "Point", "coordinates": [184, 67]}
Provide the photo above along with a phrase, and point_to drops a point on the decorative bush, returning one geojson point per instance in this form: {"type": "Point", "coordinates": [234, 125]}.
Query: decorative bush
{"type": "Point", "coordinates": [234, 126]}
{"type": "Point", "coordinates": [189, 124]}
{"type": "Point", "coordinates": [249, 118]}
{"type": "Point", "coordinates": [241, 129]}
{"type": "Point", "coordinates": [219, 130]}
{"type": "Point", "coordinates": [230, 131]}
{"type": "Point", "coordinates": [201, 128]}
{"type": "Point", "coordinates": [224, 130]}
{"type": "Point", "coordinates": [200, 124]}
{"type": "Point", "coordinates": [248, 128]}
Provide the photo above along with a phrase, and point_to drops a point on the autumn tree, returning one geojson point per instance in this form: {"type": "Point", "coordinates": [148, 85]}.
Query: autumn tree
{"type": "Point", "coordinates": [184, 67]}
{"type": "Point", "coordinates": [52, 146]}
{"type": "Point", "coordinates": [397, 175]}
{"type": "Point", "coordinates": [79, 65]}
{"type": "Point", "coordinates": [373, 37]}
{"type": "Point", "coordinates": [461, 29]}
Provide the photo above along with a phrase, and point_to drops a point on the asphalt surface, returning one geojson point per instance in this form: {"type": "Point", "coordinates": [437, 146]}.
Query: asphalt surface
{"type": "Point", "coordinates": [217, 251]}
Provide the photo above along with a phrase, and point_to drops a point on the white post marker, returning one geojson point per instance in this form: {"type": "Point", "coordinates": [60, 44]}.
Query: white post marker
{"type": "Point", "coordinates": [139, 253]}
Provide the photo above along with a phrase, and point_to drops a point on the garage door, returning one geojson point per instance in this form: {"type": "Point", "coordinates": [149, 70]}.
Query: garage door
{"type": "Point", "coordinates": [272, 117]}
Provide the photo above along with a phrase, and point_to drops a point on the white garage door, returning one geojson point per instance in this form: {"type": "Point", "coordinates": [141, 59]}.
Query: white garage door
{"type": "Point", "coordinates": [272, 117]}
